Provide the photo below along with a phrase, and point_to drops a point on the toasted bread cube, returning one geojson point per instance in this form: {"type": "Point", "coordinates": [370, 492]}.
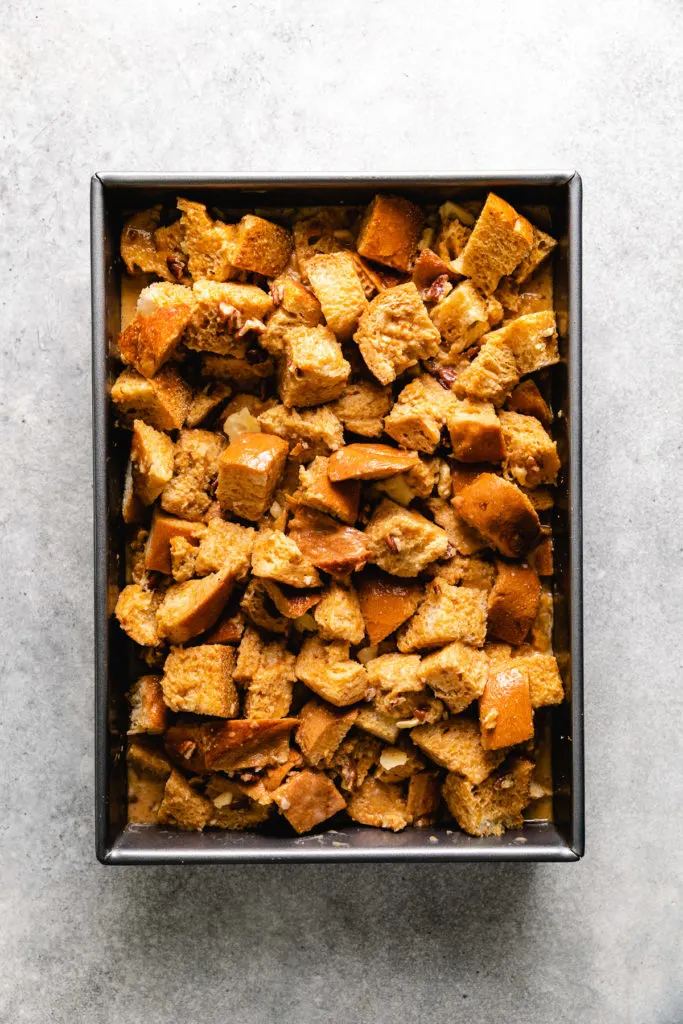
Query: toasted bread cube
{"type": "Point", "coordinates": [248, 473]}
{"type": "Point", "coordinates": [336, 549]}
{"type": "Point", "coordinates": [399, 692]}
{"type": "Point", "coordinates": [138, 248]}
{"type": "Point", "coordinates": [136, 610]}
{"type": "Point", "coordinates": [183, 807]}
{"type": "Point", "coordinates": [505, 713]}
{"type": "Point", "coordinates": [369, 462]}
{"type": "Point", "coordinates": [164, 528]}
{"type": "Point", "coordinates": [528, 400]}
{"type": "Point", "coordinates": [456, 744]}
{"type": "Point", "coordinates": [207, 242]}
{"type": "Point", "coordinates": [488, 809]}
{"type": "Point", "coordinates": [242, 371]}
{"type": "Point", "coordinates": [195, 467]}
{"type": "Point", "coordinates": [192, 607]}
{"type": "Point", "coordinates": [424, 798]}
{"type": "Point", "coordinates": [462, 317]}
{"type": "Point", "coordinates": [513, 602]}
{"type": "Point", "coordinates": [492, 374]}
{"type": "Point", "coordinates": [403, 542]}
{"type": "Point", "coordinates": [321, 730]}
{"type": "Point", "coordinates": [225, 546]}
{"type": "Point", "coordinates": [151, 456]}
{"type": "Point", "coordinates": [395, 331]}
{"type": "Point", "coordinates": [307, 798]}
{"type": "Point", "coordinates": [313, 369]}
{"type": "Point", "coordinates": [389, 231]}
{"type": "Point", "coordinates": [386, 603]}
{"type": "Point", "coordinates": [457, 674]}
{"type": "Point", "coordinates": [154, 333]}
{"type": "Point", "coordinates": [335, 282]}
{"type": "Point", "coordinates": [446, 614]}
{"type": "Point", "coordinates": [295, 298]}
{"type": "Point", "coordinates": [261, 246]}
{"type": "Point", "coordinates": [545, 682]}
{"type": "Point", "coordinates": [183, 557]}
{"type": "Point", "coordinates": [162, 401]}
{"type": "Point", "coordinates": [148, 712]}
{"type": "Point", "coordinates": [222, 313]}
{"type": "Point", "coordinates": [232, 807]}
{"type": "Point", "coordinates": [532, 339]}
{"type": "Point", "coordinates": [542, 246]}
{"type": "Point", "coordinates": [328, 671]}
{"type": "Point", "coordinates": [541, 638]}
{"type": "Point", "coordinates": [199, 679]}
{"type": "Point", "coordinates": [338, 615]}
{"type": "Point", "coordinates": [353, 759]}
{"type": "Point", "coordinates": [378, 724]}
{"type": "Point", "coordinates": [530, 453]}
{"type": "Point", "coordinates": [249, 656]}
{"type": "Point", "coordinates": [269, 691]}
{"type": "Point", "coordinates": [289, 601]}
{"type": "Point", "coordinates": [468, 571]}
{"type": "Point", "coordinates": [325, 231]}
{"type": "Point", "coordinates": [419, 414]}
{"type": "Point", "coordinates": [311, 432]}
{"type": "Point", "coordinates": [261, 789]}
{"type": "Point", "coordinates": [362, 407]}
{"type": "Point", "coordinates": [276, 556]}
{"type": "Point", "coordinates": [475, 432]}
{"type": "Point", "coordinates": [146, 757]}
{"type": "Point", "coordinates": [379, 804]}
{"type": "Point", "coordinates": [228, 629]}
{"type": "Point", "coordinates": [247, 743]}
{"type": "Point", "coordinates": [500, 240]}
{"type": "Point", "coordinates": [398, 763]}
{"type": "Point", "coordinates": [427, 268]}
{"type": "Point", "coordinates": [132, 509]}
{"type": "Point", "coordinates": [463, 538]}
{"type": "Point", "coordinates": [317, 491]}
{"type": "Point", "coordinates": [259, 607]}
{"type": "Point", "coordinates": [501, 513]}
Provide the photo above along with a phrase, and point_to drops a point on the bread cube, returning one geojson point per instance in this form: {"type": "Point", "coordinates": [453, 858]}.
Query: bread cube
{"type": "Point", "coordinates": [232, 807]}
{"type": "Point", "coordinates": [541, 637]}
{"type": "Point", "coordinates": [325, 231]}
{"type": "Point", "coordinates": [294, 298]}
{"type": "Point", "coordinates": [228, 629]}
{"type": "Point", "coordinates": [492, 374]}
{"type": "Point", "coordinates": [385, 603]}
{"type": "Point", "coordinates": [307, 798]}
{"type": "Point", "coordinates": [313, 369]}
{"type": "Point", "coordinates": [336, 549]}
{"type": "Point", "coordinates": [463, 539]}
{"type": "Point", "coordinates": [328, 671]}
{"type": "Point", "coordinates": [495, 805]}
{"type": "Point", "coordinates": [352, 760]}
{"type": "Point", "coordinates": [501, 513]}
{"type": "Point", "coordinates": [151, 456]}
{"type": "Point", "coordinates": [199, 679]}
{"type": "Point", "coordinates": [379, 804]}
{"type": "Point", "coordinates": [190, 608]}
{"type": "Point", "coordinates": [541, 247]}
{"type": "Point", "coordinates": [461, 317]}
{"type": "Point", "coordinates": [276, 556]}
{"type": "Point", "coordinates": [195, 467]}
{"type": "Point", "coordinates": [248, 473]}
{"type": "Point", "coordinates": [244, 743]}
{"type": "Point", "coordinates": [239, 370]}
{"type": "Point", "coordinates": [163, 529]}
{"type": "Point", "coordinates": [513, 602]}
{"type": "Point", "coordinates": [530, 453]}
{"type": "Point", "coordinates": [321, 730]}
{"type": "Point", "coordinates": [446, 614]}
{"type": "Point", "coordinates": [310, 433]}
{"type": "Point", "coordinates": [362, 407]}
{"type": "Point", "coordinates": [269, 690]}
{"type": "Point", "coordinates": [399, 692]}
{"type": "Point", "coordinates": [545, 682]}
{"type": "Point", "coordinates": [338, 615]}
{"type": "Point", "coordinates": [403, 542]}
{"type": "Point", "coordinates": [505, 713]}
{"type": "Point", "coordinates": [162, 401]}
{"type": "Point", "coordinates": [183, 557]}
{"type": "Point", "coordinates": [222, 314]}
{"type": "Point", "coordinates": [419, 414]}
{"type": "Point", "coordinates": [378, 724]}
{"type": "Point", "coordinates": [389, 231]}
{"type": "Point", "coordinates": [248, 656]}
{"type": "Point", "coordinates": [528, 400]}
{"type": "Point", "coordinates": [148, 713]}
{"type": "Point", "coordinates": [424, 798]}
{"type": "Point", "coordinates": [225, 546]}
{"type": "Point", "coordinates": [261, 789]}
{"type": "Point", "coordinates": [335, 282]}
{"type": "Point", "coordinates": [317, 491]}
{"type": "Point", "coordinates": [398, 763]}
{"type": "Point", "coordinates": [139, 251]}
{"type": "Point", "coordinates": [475, 432]}
{"type": "Point", "coordinates": [258, 606]}
{"type": "Point", "coordinates": [456, 744]}
{"type": "Point", "coordinates": [156, 330]}
{"type": "Point", "coordinates": [395, 331]}
{"type": "Point", "coordinates": [260, 246]}
{"type": "Point", "coordinates": [500, 240]}
{"type": "Point", "coordinates": [136, 611]}
{"type": "Point", "coordinates": [532, 339]}
{"type": "Point", "coordinates": [369, 462]}
{"type": "Point", "coordinates": [207, 242]}
{"type": "Point", "coordinates": [132, 509]}
{"type": "Point", "coordinates": [468, 571]}
{"type": "Point", "coordinates": [457, 674]}
{"type": "Point", "coordinates": [289, 601]}
{"type": "Point", "coordinates": [148, 759]}
{"type": "Point", "coordinates": [182, 807]}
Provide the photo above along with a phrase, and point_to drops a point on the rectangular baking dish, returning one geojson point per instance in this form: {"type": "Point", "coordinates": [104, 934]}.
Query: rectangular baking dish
{"type": "Point", "coordinates": [113, 197]}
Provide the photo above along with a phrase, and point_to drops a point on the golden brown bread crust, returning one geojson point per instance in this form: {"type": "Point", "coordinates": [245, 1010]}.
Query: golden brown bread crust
{"type": "Point", "coordinates": [389, 231]}
{"type": "Point", "coordinates": [513, 602]}
{"type": "Point", "coordinates": [500, 239]}
{"type": "Point", "coordinates": [164, 528]}
{"type": "Point", "coordinates": [369, 462]}
{"type": "Point", "coordinates": [333, 548]}
{"type": "Point", "coordinates": [386, 602]}
{"type": "Point", "coordinates": [307, 798]}
{"type": "Point", "coordinates": [243, 743]}
{"type": "Point", "coordinates": [499, 511]}
{"type": "Point", "coordinates": [261, 246]}
{"type": "Point", "coordinates": [489, 808]}
{"type": "Point", "coordinates": [318, 491]}
{"type": "Point", "coordinates": [248, 473]}
{"type": "Point", "coordinates": [505, 712]}
{"type": "Point", "coordinates": [527, 399]}
{"type": "Point", "coordinates": [149, 341]}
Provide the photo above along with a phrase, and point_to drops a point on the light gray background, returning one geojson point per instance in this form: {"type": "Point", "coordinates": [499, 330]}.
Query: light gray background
{"type": "Point", "coordinates": [315, 86]}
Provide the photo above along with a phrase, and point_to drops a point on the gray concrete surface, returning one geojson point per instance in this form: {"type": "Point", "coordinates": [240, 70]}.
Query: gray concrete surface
{"type": "Point", "coordinates": [90, 85]}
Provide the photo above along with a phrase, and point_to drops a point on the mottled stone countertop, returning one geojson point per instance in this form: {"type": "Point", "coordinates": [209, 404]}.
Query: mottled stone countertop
{"type": "Point", "coordinates": [308, 86]}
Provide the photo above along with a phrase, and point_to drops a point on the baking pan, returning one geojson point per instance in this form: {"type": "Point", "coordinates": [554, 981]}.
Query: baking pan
{"type": "Point", "coordinates": [115, 196]}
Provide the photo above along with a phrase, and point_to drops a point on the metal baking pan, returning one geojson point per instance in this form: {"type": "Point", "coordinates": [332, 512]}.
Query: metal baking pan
{"type": "Point", "coordinates": [114, 196]}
